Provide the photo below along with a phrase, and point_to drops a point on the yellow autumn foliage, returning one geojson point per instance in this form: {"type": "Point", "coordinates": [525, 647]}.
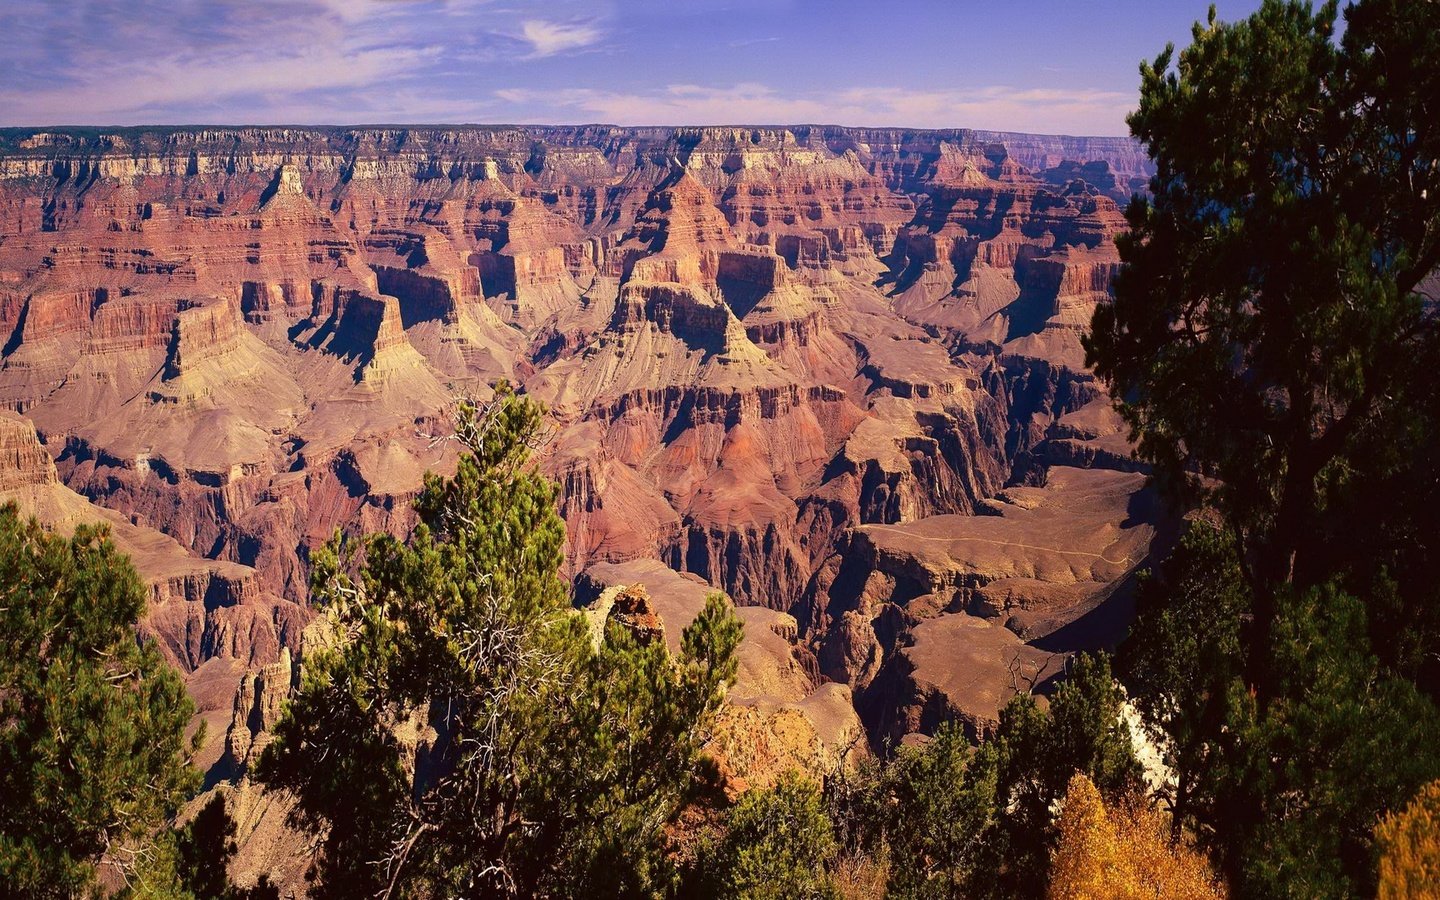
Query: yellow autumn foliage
{"type": "Point", "coordinates": [1409, 844]}
{"type": "Point", "coordinates": [1122, 855]}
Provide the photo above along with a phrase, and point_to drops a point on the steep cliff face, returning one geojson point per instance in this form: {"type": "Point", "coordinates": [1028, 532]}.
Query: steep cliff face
{"type": "Point", "coordinates": [755, 343]}
{"type": "Point", "coordinates": [200, 609]}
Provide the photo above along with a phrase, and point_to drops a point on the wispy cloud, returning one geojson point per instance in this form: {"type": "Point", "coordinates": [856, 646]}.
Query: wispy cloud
{"type": "Point", "coordinates": [996, 107]}
{"type": "Point", "coordinates": [154, 85]}
{"type": "Point", "coordinates": [549, 38]}
{"type": "Point", "coordinates": [162, 62]}
{"type": "Point", "coordinates": [351, 61]}
{"type": "Point", "coordinates": [166, 61]}
{"type": "Point", "coordinates": [677, 104]}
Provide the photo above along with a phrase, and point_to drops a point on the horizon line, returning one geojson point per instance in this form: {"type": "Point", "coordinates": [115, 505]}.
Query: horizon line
{"type": "Point", "coordinates": [195, 126]}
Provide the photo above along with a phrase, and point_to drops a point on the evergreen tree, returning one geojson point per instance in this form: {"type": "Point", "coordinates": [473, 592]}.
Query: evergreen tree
{"type": "Point", "coordinates": [464, 736]}
{"type": "Point", "coordinates": [1183, 654]}
{"type": "Point", "coordinates": [93, 758]}
{"type": "Point", "coordinates": [779, 844]}
{"type": "Point", "coordinates": [1272, 344]}
{"type": "Point", "coordinates": [1284, 794]}
{"type": "Point", "coordinates": [1084, 731]}
{"type": "Point", "coordinates": [940, 809]}
{"type": "Point", "coordinates": [1298, 784]}
{"type": "Point", "coordinates": [1271, 321]}
{"type": "Point", "coordinates": [634, 743]}
{"type": "Point", "coordinates": [950, 819]}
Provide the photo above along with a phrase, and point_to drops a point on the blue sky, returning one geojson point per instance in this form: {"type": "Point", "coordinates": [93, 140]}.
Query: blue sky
{"type": "Point", "coordinates": [1025, 65]}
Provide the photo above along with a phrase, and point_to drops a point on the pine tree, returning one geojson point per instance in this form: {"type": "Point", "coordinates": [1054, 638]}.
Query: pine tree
{"type": "Point", "coordinates": [1271, 324]}
{"type": "Point", "coordinates": [940, 808]}
{"type": "Point", "coordinates": [1272, 344]}
{"type": "Point", "coordinates": [1299, 784]}
{"type": "Point", "coordinates": [1183, 655]}
{"type": "Point", "coordinates": [1084, 731]}
{"type": "Point", "coordinates": [779, 843]}
{"type": "Point", "coordinates": [948, 819]}
{"type": "Point", "coordinates": [463, 736]}
{"type": "Point", "coordinates": [635, 740]}
{"type": "Point", "coordinates": [93, 757]}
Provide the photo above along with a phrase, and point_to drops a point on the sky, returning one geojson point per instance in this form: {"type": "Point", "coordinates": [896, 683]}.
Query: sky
{"type": "Point", "coordinates": [1042, 66]}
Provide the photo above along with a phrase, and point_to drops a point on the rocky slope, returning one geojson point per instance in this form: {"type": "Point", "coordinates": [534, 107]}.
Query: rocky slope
{"type": "Point", "coordinates": [818, 368]}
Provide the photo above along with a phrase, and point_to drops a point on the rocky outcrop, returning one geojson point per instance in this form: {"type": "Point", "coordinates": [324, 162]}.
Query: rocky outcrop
{"type": "Point", "coordinates": [953, 668]}
{"type": "Point", "coordinates": [776, 717]}
{"type": "Point", "coordinates": [757, 345]}
{"type": "Point", "coordinates": [627, 607]}
{"type": "Point", "coordinates": [23, 460]}
{"type": "Point", "coordinates": [267, 840]}
{"type": "Point", "coordinates": [258, 704]}
{"type": "Point", "coordinates": [945, 617]}
{"type": "Point", "coordinates": [199, 609]}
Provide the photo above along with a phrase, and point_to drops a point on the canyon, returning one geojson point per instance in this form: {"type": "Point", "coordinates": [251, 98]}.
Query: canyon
{"type": "Point", "coordinates": [834, 372]}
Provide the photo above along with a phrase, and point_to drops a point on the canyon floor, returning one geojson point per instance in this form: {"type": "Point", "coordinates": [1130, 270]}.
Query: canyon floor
{"type": "Point", "coordinates": [835, 373]}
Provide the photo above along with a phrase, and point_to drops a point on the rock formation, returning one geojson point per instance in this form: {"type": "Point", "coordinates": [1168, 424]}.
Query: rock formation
{"type": "Point", "coordinates": [833, 372]}
{"type": "Point", "coordinates": [776, 716]}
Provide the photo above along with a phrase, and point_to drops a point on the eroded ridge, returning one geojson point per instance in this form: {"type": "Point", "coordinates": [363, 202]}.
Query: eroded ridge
{"type": "Point", "coordinates": [833, 372]}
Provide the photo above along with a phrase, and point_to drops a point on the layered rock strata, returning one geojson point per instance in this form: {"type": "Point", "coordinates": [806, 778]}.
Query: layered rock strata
{"type": "Point", "coordinates": [760, 348]}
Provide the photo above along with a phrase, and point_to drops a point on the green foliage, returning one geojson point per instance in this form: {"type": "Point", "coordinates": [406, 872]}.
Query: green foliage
{"type": "Point", "coordinates": [463, 736]}
{"type": "Point", "coordinates": [1183, 654]}
{"type": "Point", "coordinates": [1268, 326]}
{"type": "Point", "coordinates": [952, 819]}
{"type": "Point", "coordinates": [1037, 755]}
{"type": "Point", "coordinates": [1087, 733]}
{"type": "Point", "coordinates": [1272, 344]}
{"type": "Point", "coordinates": [158, 872]}
{"type": "Point", "coordinates": [1299, 785]}
{"type": "Point", "coordinates": [93, 757]}
{"type": "Point", "coordinates": [190, 863]}
{"type": "Point", "coordinates": [778, 845]}
{"type": "Point", "coordinates": [634, 741]}
{"type": "Point", "coordinates": [934, 811]}
{"type": "Point", "coordinates": [1285, 794]}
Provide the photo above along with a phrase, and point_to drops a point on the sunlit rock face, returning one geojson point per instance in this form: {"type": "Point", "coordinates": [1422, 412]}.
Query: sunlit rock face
{"type": "Point", "coordinates": [790, 364]}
